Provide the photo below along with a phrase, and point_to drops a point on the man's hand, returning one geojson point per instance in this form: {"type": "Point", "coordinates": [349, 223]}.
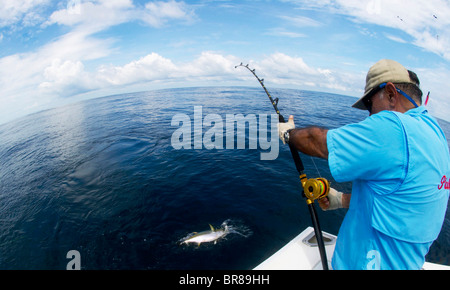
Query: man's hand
{"type": "Point", "coordinates": [332, 202]}
{"type": "Point", "coordinates": [284, 127]}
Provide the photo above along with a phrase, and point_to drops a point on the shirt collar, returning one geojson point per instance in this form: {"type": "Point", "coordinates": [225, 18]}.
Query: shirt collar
{"type": "Point", "coordinates": [418, 110]}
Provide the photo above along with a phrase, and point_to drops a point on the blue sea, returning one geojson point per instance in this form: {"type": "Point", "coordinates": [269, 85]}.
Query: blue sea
{"type": "Point", "coordinates": [102, 178]}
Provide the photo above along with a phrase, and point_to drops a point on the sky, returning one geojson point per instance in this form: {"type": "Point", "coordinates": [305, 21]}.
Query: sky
{"type": "Point", "coordinates": [54, 53]}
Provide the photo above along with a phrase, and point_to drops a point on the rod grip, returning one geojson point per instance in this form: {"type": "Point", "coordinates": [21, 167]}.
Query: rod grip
{"type": "Point", "coordinates": [319, 237]}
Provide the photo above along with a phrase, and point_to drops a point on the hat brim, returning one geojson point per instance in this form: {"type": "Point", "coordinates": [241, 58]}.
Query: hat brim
{"type": "Point", "coordinates": [360, 104]}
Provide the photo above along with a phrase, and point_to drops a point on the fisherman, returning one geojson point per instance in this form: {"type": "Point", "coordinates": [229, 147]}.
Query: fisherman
{"type": "Point", "coordinates": [398, 160]}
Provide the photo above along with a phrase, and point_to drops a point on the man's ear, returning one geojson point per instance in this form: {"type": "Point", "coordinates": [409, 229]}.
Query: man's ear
{"type": "Point", "coordinates": [391, 94]}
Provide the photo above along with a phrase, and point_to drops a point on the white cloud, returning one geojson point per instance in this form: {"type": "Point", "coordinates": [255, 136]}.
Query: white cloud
{"type": "Point", "coordinates": [36, 78]}
{"type": "Point", "coordinates": [152, 67]}
{"type": "Point", "coordinates": [148, 69]}
{"type": "Point", "coordinates": [60, 72]}
{"type": "Point", "coordinates": [395, 38]}
{"type": "Point", "coordinates": [301, 21]}
{"type": "Point", "coordinates": [63, 68]}
{"type": "Point", "coordinates": [57, 70]}
{"type": "Point", "coordinates": [66, 78]}
{"type": "Point", "coordinates": [282, 69]}
{"type": "Point", "coordinates": [29, 70]}
{"type": "Point", "coordinates": [98, 15]}
{"type": "Point", "coordinates": [76, 45]}
{"type": "Point", "coordinates": [281, 32]}
{"type": "Point", "coordinates": [15, 11]}
{"type": "Point", "coordinates": [46, 74]}
{"type": "Point", "coordinates": [209, 64]}
{"type": "Point", "coordinates": [427, 22]}
{"type": "Point", "coordinates": [93, 16]}
{"type": "Point", "coordinates": [208, 68]}
{"type": "Point", "coordinates": [157, 13]}
{"type": "Point", "coordinates": [434, 80]}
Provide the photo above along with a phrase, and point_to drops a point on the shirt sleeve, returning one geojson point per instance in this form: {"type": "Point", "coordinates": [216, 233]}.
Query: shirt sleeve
{"type": "Point", "coordinates": [372, 150]}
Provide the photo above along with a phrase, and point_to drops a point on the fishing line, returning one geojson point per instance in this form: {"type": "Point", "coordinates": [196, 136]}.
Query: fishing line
{"type": "Point", "coordinates": [317, 169]}
{"type": "Point", "coordinates": [313, 189]}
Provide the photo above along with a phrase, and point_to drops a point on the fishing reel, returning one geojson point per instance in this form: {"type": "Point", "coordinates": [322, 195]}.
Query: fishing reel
{"type": "Point", "coordinates": [315, 189]}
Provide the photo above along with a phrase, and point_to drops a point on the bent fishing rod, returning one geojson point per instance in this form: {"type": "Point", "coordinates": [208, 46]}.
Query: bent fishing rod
{"type": "Point", "coordinates": [313, 189]}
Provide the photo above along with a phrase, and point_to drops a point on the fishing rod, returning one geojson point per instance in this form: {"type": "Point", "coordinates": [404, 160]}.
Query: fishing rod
{"type": "Point", "coordinates": [313, 189]}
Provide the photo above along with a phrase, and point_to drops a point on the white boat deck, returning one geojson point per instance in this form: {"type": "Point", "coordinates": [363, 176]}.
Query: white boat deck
{"type": "Point", "coordinates": [302, 253]}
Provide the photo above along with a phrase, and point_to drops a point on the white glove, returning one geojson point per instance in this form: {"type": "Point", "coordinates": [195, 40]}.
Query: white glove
{"type": "Point", "coordinates": [284, 127]}
{"type": "Point", "coordinates": [335, 199]}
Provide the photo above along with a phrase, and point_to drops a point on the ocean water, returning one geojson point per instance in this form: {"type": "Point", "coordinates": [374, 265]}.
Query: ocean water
{"type": "Point", "coordinates": [101, 177]}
